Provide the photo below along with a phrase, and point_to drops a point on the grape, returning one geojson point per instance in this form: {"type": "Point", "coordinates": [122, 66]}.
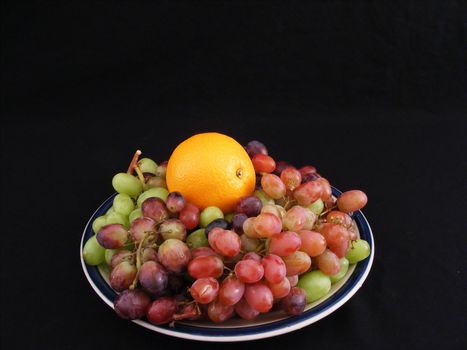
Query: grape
{"type": "Point", "coordinates": [221, 223]}
{"type": "Point", "coordinates": [263, 197]}
{"type": "Point", "coordinates": [231, 291]}
{"type": "Point", "coordinates": [273, 186]}
{"type": "Point", "coordinates": [127, 184]}
{"type": "Point", "coordinates": [327, 190]}
{"type": "Point", "coordinates": [291, 177]}
{"type": "Point", "coordinates": [191, 312]}
{"type": "Point", "coordinates": [108, 255]}
{"type": "Point", "coordinates": [117, 218]}
{"type": "Point", "coordinates": [155, 209]}
{"type": "Point", "coordinates": [162, 169]}
{"type": "Point", "coordinates": [263, 163]}
{"type": "Point", "coordinates": [249, 271]}
{"type": "Point", "coordinates": [197, 239]}
{"type": "Point", "coordinates": [189, 215]}
{"type": "Point", "coordinates": [204, 290]}
{"type": "Point", "coordinates": [249, 228]}
{"type": "Point", "coordinates": [98, 223]}
{"type": "Point", "coordinates": [93, 252]}
{"type": "Point", "coordinates": [209, 214]}
{"type": "Point", "coordinates": [307, 193]}
{"type": "Point", "coordinates": [344, 267]}
{"type": "Point", "coordinates": [308, 169]}
{"type": "Point", "coordinates": [131, 304]}
{"type": "Point", "coordinates": [330, 203]}
{"type": "Point", "coordinates": [206, 266]}
{"type": "Point", "coordinates": [328, 263]}
{"type": "Point", "coordinates": [313, 243]}
{"type": "Point", "coordinates": [122, 276]}
{"type": "Point", "coordinates": [266, 225]}
{"type": "Point", "coordinates": [123, 204]}
{"type": "Point", "coordinates": [218, 312]}
{"type": "Point", "coordinates": [202, 251]}
{"type": "Point", "coordinates": [285, 243]}
{"type": "Point", "coordinates": [337, 238]}
{"type": "Point", "coordinates": [280, 166]}
{"type": "Point", "coordinates": [310, 219]}
{"type": "Point", "coordinates": [155, 192]}
{"type": "Point", "coordinates": [338, 217]}
{"type": "Point", "coordinates": [229, 217]}
{"type": "Point", "coordinates": [162, 310]}
{"type": "Point", "coordinates": [153, 278]}
{"type": "Point", "coordinates": [274, 268]}
{"type": "Point", "coordinates": [293, 280]}
{"type": "Point", "coordinates": [175, 202]}
{"type": "Point", "coordinates": [119, 256]}
{"type": "Point", "coordinates": [245, 311]}
{"type": "Point", "coordinates": [255, 147]}
{"type": "Point", "coordinates": [224, 242]}
{"type": "Point", "coordinates": [294, 218]}
{"type": "Point", "coordinates": [315, 284]}
{"type": "Point", "coordinates": [141, 227]}
{"type": "Point", "coordinates": [310, 177]}
{"type": "Point", "coordinates": [259, 296]}
{"type": "Point", "coordinates": [351, 201]}
{"type": "Point", "coordinates": [297, 263]}
{"type": "Point", "coordinates": [156, 181]}
{"type": "Point", "coordinates": [172, 228]}
{"type": "Point", "coordinates": [147, 165]}
{"type": "Point", "coordinates": [352, 234]}
{"type": "Point", "coordinates": [281, 289]}
{"type": "Point", "coordinates": [252, 256]}
{"type": "Point", "coordinates": [149, 254]}
{"type": "Point", "coordinates": [281, 211]}
{"type": "Point", "coordinates": [249, 244]}
{"type": "Point", "coordinates": [249, 205]}
{"type": "Point", "coordinates": [317, 206]}
{"type": "Point", "coordinates": [271, 209]}
{"type": "Point", "coordinates": [112, 236]}
{"type": "Point", "coordinates": [135, 214]}
{"type": "Point", "coordinates": [237, 223]}
{"type": "Point", "coordinates": [294, 303]}
{"type": "Point", "coordinates": [359, 250]}
{"type": "Point", "coordinates": [174, 255]}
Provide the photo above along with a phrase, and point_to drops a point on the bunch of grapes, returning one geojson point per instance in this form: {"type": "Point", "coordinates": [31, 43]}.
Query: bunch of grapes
{"type": "Point", "coordinates": [282, 247]}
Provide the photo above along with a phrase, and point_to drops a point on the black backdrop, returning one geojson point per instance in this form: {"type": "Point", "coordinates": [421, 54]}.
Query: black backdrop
{"type": "Point", "coordinates": [373, 94]}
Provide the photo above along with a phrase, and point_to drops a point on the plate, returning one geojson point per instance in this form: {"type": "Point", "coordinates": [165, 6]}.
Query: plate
{"type": "Point", "coordinates": [266, 325]}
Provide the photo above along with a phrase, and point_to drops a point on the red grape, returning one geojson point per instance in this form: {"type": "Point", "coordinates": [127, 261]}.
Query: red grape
{"type": "Point", "coordinates": [266, 225]}
{"type": "Point", "coordinates": [351, 201]}
{"type": "Point", "coordinates": [202, 251]}
{"type": "Point", "coordinates": [284, 243]}
{"type": "Point", "coordinates": [252, 256]}
{"type": "Point", "coordinates": [245, 311]}
{"type": "Point", "coordinates": [174, 255]}
{"type": "Point", "coordinates": [231, 291]}
{"type": "Point", "coordinates": [313, 243]}
{"type": "Point", "coordinates": [189, 215]}
{"type": "Point", "coordinates": [328, 263]}
{"type": "Point", "coordinates": [155, 209]}
{"type": "Point", "coordinates": [338, 217]}
{"type": "Point", "coordinates": [149, 254]}
{"type": "Point", "coordinates": [206, 266]}
{"type": "Point", "coordinates": [295, 218]}
{"type": "Point", "coordinates": [274, 268]}
{"type": "Point", "coordinates": [131, 304]}
{"type": "Point", "coordinates": [112, 236]}
{"type": "Point", "coordinates": [293, 280]}
{"type": "Point", "coordinates": [175, 202]}
{"type": "Point", "coordinates": [153, 278]}
{"type": "Point", "coordinates": [281, 289]}
{"type": "Point", "coordinates": [162, 310]}
{"type": "Point", "coordinates": [255, 147]}
{"type": "Point", "coordinates": [120, 256]}
{"type": "Point", "coordinates": [249, 228]}
{"type": "Point", "coordinates": [249, 271]}
{"type": "Point", "coordinates": [307, 193]}
{"type": "Point", "coordinates": [280, 166]}
{"type": "Point", "coordinates": [337, 238]}
{"type": "Point", "coordinates": [297, 263]}
{"type": "Point", "coordinates": [218, 312]}
{"type": "Point", "coordinates": [308, 169]}
{"type": "Point", "coordinates": [172, 228]}
{"type": "Point", "coordinates": [224, 242]}
{"type": "Point", "coordinates": [273, 186]}
{"type": "Point", "coordinates": [122, 276]}
{"type": "Point", "coordinates": [294, 303]}
{"type": "Point", "coordinates": [140, 226]}
{"type": "Point", "coordinates": [327, 190]}
{"type": "Point", "coordinates": [263, 163]}
{"type": "Point", "coordinates": [249, 205]}
{"type": "Point", "coordinates": [291, 177]}
{"type": "Point", "coordinates": [204, 290]}
{"type": "Point", "coordinates": [259, 296]}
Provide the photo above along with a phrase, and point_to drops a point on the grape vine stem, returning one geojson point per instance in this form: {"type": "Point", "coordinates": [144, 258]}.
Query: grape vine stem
{"type": "Point", "coordinates": [132, 165]}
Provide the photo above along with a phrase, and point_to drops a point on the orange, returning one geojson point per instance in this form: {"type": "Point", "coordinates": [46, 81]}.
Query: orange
{"type": "Point", "coordinates": [211, 169]}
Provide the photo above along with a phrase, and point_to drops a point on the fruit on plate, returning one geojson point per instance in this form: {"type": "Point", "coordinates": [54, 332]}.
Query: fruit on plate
{"type": "Point", "coordinates": [222, 231]}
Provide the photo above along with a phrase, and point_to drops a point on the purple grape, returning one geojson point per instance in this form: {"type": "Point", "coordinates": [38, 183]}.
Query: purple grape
{"type": "Point", "coordinates": [173, 228]}
{"type": "Point", "coordinates": [281, 165]}
{"type": "Point", "coordinates": [155, 209]}
{"type": "Point", "coordinates": [237, 222]}
{"type": "Point", "coordinates": [149, 254]}
{"type": "Point", "coordinates": [122, 276]}
{"type": "Point", "coordinates": [174, 255]}
{"type": "Point", "coordinates": [121, 255]}
{"type": "Point", "coordinates": [140, 226]}
{"type": "Point", "coordinates": [249, 205]}
{"type": "Point", "coordinates": [112, 236]}
{"type": "Point", "coordinates": [310, 177]}
{"type": "Point", "coordinates": [131, 304]}
{"type": "Point", "coordinates": [222, 223]}
{"type": "Point", "coordinates": [153, 278]}
{"type": "Point", "coordinates": [255, 147]}
{"type": "Point", "coordinates": [175, 202]}
{"type": "Point", "coordinates": [294, 303]}
{"type": "Point", "coordinates": [162, 310]}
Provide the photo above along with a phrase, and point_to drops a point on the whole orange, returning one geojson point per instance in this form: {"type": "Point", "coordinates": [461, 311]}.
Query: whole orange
{"type": "Point", "coordinates": [211, 169]}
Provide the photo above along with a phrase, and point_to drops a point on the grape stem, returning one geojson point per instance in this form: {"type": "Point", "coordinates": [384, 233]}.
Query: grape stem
{"type": "Point", "coordinates": [140, 174]}
{"type": "Point", "coordinates": [132, 165]}
{"type": "Point", "coordinates": [328, 210]}
{"type": "Point", "coordinates": [138, 259]}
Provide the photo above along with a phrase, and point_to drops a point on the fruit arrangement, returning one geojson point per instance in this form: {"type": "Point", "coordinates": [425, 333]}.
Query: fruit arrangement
{"type": "Point", "coordinates": [222, 230]}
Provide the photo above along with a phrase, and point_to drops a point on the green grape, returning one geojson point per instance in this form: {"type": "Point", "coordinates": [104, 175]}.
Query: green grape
{"type": "Point", "coordinates": [158, 192]}
{"type": "Point", "coordinates": [123, 204]}
{"type": "Point", "coordinates": [229, 217]}
{"type": "Point", "coordinates": [316, 207]}
{"type": "Point", "coordinates": [344, 263]}
{"type": "Point", "coordinates": [263, 197]}
{"type": "Point", "coordinates": [135, 214]}
{"type": "Point", "coordinates": [128, 184]}
{"type": "Point", "coordinates": [147, 165]}
{"type": "Point", "coordinates": [117, 218]}
{"type": "Point", "coordinates": [197, 239]}
{"type": "Point", "coordinates": [316, 285]}
{"type": "Point", "coordinates": [359, 250]}
{"type": "Point", "coordinates": [111, 210]}
{"type": "Point", "coordinates": [93, 252]}
{"type": "Point", "coordinates": [98, 223]}
{"type": "Point", "coordinates": [108, 255]}
{"type": "Point", "coordinates": [210, 214]}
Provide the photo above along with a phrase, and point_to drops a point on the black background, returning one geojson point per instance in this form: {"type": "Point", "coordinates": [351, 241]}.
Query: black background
{"type": "Point", "coordinates": [371, 93]}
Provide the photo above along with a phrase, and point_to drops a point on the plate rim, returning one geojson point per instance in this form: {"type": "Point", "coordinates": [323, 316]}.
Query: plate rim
{"type": "Point", "coordinates": [278, 327]}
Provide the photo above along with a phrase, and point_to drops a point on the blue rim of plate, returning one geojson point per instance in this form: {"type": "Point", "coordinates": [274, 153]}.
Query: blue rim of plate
{"type": "Point", "coordinates": [274, 328]}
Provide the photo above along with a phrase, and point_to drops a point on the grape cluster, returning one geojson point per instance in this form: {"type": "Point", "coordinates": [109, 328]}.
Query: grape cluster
{"type": "Point", "coordinates": [282, 247]}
